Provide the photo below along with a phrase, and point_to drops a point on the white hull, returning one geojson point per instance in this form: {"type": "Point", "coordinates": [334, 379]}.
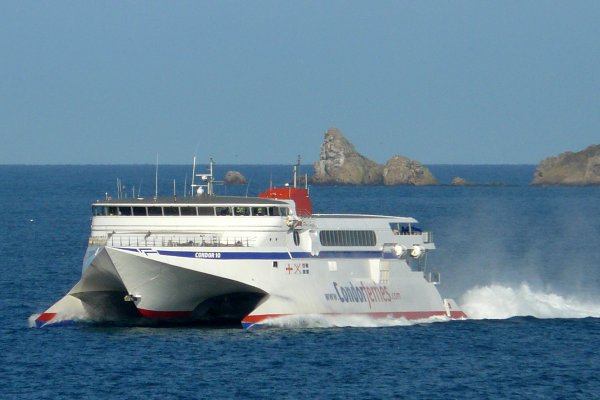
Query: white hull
{"type": "Point", "coordinates": [210, 258]}
{"type": "Point", "coordinates": [204, 284]}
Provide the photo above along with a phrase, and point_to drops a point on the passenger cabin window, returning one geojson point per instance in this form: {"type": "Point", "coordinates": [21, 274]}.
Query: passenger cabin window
{"type": "Point", "coordinates": [273, 211]}
{"type": "Point", "coordinates": [296, 238]}
{"type": "Point", "coordinates": [139, 211]}
{"type": "Point", "coordinates": [223, 211]}
{"type": "Point", "coordinates": [188, 211]}
{"type": "Point", "coordinates": [348, 238]}
{"type": "Point", "coordinates": [99, 211]}
{"type": "Point", "coordinates": [206, 211]}
{"type": "Point", "coordinates": [259, 211]}
{"type": "Point", "coordinates": [241, 211]}
{"type": "Point", "coordinates": [155, 211]}
{"type": "Point", "coordinates": [124, 210]}
{"type": "Point", "coordinates": [170, 211]}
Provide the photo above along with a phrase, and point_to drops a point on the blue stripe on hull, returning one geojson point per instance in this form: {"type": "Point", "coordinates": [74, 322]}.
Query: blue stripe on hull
{"type": "Point", "coordinates": [45, 324]}
{"type": "Point", "coordinates": [249, 255]}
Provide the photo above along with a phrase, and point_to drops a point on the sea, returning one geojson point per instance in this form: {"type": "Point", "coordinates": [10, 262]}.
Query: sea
{"type": "Point", "coordinates": [522, 261]}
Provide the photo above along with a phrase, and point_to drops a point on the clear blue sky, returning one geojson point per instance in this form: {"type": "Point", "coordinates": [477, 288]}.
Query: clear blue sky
{"type": "Point", "coordinates": [459, 82]}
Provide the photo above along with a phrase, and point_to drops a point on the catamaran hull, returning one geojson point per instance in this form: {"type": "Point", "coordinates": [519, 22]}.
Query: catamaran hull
{"type": "Point", "coordinates": [138, 285]}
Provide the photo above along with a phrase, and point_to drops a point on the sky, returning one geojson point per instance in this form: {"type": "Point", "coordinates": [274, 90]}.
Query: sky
{"type": "Point", "coordinates": [259, 82]}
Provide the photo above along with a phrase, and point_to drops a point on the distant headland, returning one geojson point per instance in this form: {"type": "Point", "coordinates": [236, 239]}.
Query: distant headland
{"type": "Point", "coordinates": [341, 164]}
{"type": "Point", "coordinates": [569, 168]}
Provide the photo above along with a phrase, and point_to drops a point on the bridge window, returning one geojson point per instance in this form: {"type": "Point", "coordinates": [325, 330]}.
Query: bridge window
{"type": "Point", "coordinates": [404, 229]}
{"type": "Point", "coordinates": [347, 238]}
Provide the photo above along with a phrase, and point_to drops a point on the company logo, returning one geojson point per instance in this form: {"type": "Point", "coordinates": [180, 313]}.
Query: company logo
{"type": "Point", "coordinates": [361, 294]}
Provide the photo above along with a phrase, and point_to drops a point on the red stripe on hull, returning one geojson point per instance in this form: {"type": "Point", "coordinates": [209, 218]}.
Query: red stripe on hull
{"type": "Point", "coordinates": [458, 315]}
{"type": "Point", "coordinates": [165, 314]}
{"type": "Point", "coordinates": [45, 317]}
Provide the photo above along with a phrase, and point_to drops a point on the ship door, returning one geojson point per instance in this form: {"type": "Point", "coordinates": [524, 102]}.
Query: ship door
{"type": "Point", "coordinates": [380, 271]}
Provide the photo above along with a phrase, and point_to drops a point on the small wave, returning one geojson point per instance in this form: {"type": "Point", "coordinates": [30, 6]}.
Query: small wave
{"type": "Point", "coordinates": [31, 320]}
{"type": "Point", "coordinates": [338, 321]}
{"type": "Point", "coordinates": [501, 302]}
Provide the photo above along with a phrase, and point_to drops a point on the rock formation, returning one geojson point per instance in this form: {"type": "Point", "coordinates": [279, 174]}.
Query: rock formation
{"type": "Point", "coordinates": [234, 178]}
{"type": "Point", "coordinates": [580, 168]}
{"type": "Point", "coordinates": [400, 170]}
{"type": "Point", "coordinates": [458, 181]}
{"type": "Point", "coordinates": [340, 163]}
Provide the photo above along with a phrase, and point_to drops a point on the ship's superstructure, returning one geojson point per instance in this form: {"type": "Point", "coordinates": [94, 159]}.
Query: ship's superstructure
{"type": "Point", "coordinates": [210, 258]}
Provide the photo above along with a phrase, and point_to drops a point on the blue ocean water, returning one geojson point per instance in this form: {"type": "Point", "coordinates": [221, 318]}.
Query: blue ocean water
{"type": "Point", "coordinates": [522, 261]}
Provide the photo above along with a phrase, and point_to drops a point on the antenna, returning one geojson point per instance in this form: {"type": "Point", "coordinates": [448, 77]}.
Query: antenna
{"type": "Point", "coordinates": [120, 189]}
{"type": "Point", "coordinates": [209, 182]}
{"type": "Point", "coordinates": [185, 186]}
{"type": "Point", "coordinates": [193, 175]}
{"type": "Point", "coordinates": [156, 179]}
{"type": "Point", "coordinates": [248, 186]}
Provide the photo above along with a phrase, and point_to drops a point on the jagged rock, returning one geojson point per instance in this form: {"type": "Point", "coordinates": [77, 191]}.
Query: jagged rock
{"type": "Point", "coordinates": [340, 163]}
{"type": "Point", "coordinates": [234, 178]}
{"type": "Point", "coordinates": [400, 170]}
{"type": "Point", "coordinates": [580, 168]}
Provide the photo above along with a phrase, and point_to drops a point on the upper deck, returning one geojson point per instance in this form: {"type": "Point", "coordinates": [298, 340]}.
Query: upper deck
{"type": "Point", "coordinates": [277, 217]}
{"type": "Point", "coordinates": [193, 206]}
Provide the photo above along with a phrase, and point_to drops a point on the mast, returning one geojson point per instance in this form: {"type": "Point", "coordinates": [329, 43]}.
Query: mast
{"type": "Point", "coordinates": [296, 171]}
{"type": "Point", "coordinates": [208, 178]}
{"type": "Point", "coordinates": [193, 176]}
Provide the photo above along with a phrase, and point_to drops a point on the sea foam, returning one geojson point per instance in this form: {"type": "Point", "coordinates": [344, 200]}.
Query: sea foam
{"type": "Point", "coordinates": [340, 320]}
{"type": "Point", "coordinates": [500, 302]}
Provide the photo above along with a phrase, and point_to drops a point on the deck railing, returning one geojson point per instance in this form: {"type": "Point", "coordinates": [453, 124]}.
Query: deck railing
{"type": "Point", "coordinates": [174, 241]}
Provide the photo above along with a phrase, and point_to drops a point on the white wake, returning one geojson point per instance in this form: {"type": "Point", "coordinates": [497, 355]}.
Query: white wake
{"type": "Point", "coordinates": [338, 321]}
{"type": "Point", "coordinates": [501, 302]}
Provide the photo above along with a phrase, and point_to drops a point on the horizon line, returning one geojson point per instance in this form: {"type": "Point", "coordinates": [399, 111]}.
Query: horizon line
{"type": "Point", "coordinates": [233, 164]}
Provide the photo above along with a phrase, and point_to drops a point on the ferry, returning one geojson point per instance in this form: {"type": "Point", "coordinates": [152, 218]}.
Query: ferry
{"type": "Point", "coordinates": [248, 261]}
